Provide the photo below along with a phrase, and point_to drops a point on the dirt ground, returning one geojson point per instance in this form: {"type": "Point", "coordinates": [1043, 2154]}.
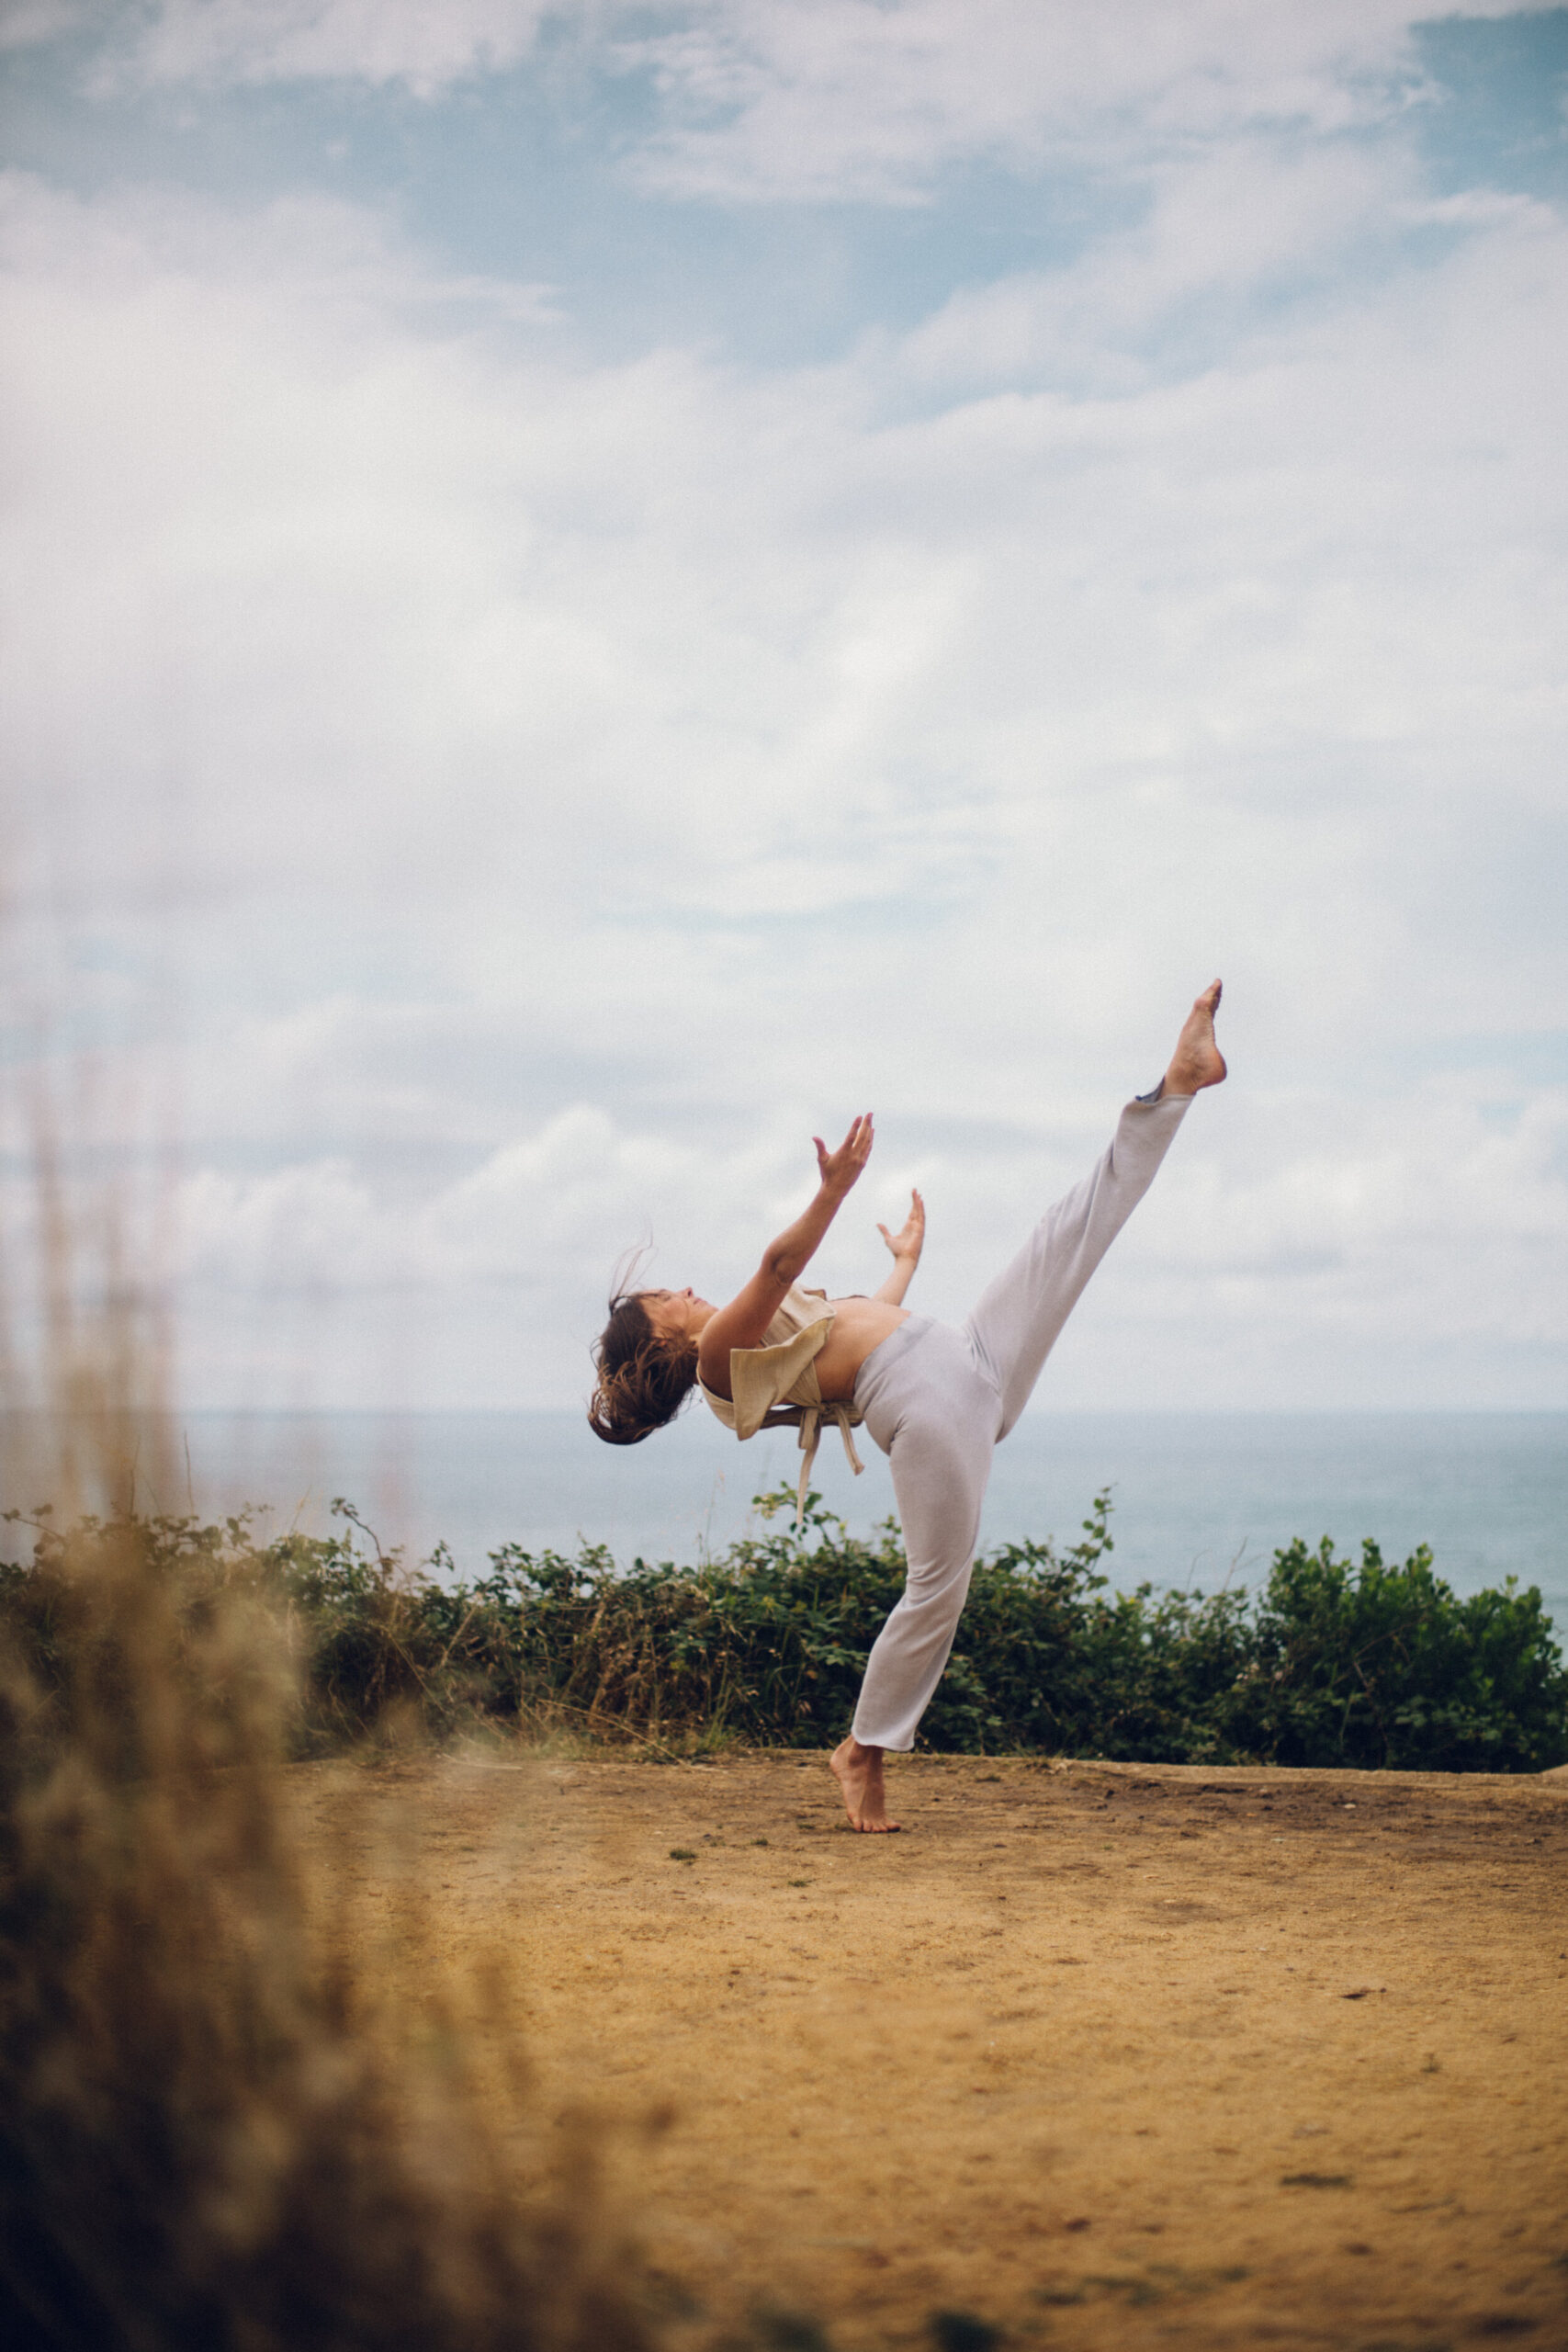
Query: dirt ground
{"type": "Point", "coordinates": [1095, 2054]}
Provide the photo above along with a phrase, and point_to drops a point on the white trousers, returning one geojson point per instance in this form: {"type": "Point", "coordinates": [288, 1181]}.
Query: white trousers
{"type": "Point", "coordinates": [938, 1401]}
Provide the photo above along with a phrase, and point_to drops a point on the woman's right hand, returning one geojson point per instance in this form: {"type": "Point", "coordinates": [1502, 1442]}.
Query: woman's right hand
{"type": "Point", "coordinates": [842, 1169]}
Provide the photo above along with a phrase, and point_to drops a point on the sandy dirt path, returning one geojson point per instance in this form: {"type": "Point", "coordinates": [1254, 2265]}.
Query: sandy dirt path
{"type": "Point", "coordinates": [1095, 2055]}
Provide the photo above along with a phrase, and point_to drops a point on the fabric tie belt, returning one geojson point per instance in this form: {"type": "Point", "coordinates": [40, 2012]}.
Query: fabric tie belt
{"type": "Point", "coordinates": [808, 1420]}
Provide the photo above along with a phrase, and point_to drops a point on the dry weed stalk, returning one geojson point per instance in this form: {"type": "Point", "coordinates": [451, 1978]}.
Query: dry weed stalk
{"type": "Point", "coordinates": [210, 2134]}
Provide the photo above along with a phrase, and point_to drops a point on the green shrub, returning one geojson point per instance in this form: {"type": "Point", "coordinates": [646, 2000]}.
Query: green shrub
{"type": "Point", "coordinates": [1387, 1666]}
{"type": "Point", "coordinates": [1331, 1663]}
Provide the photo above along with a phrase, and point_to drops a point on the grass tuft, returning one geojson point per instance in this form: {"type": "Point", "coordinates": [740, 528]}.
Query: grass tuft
{"type": "Point", "coordinates": [211, 2131]}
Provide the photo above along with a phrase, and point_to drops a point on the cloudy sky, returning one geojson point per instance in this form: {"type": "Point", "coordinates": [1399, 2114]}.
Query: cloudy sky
{"type": "Point", "coordinates": [589, 590]}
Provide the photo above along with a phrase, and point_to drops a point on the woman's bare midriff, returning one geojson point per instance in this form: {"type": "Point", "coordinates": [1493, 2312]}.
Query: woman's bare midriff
{"type": "Point", "coordinates": [859, 1325]}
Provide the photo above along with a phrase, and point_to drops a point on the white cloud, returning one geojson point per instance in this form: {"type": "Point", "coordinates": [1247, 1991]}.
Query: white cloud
{"type": "Point", "coordinates": [762, 99]}
{"type": "Point", "coordinates": [847, 97]}
{"type": "Point", "coordinates": [595, 775]}
{"type": "Point", "coordinates": [836, 99]}
{"type": "Point", "coordinates": [530, 1209]}
{"type": "Point", "coordinates": [28, 24]}
{"type": "Point", "coordinates": [378, 42]}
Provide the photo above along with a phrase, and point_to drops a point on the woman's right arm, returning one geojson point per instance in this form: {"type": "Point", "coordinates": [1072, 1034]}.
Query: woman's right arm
{"type": "Point", "coordinates": [744, 1321]}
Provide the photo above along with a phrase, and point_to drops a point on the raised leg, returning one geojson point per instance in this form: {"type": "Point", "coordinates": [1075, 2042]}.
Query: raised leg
{"type": "Point", "coordinates": [1020, 1319]}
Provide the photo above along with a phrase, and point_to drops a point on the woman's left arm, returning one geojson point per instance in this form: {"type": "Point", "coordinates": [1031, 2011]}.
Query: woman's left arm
{"type": "Point", "coordinates": [906, 1247]}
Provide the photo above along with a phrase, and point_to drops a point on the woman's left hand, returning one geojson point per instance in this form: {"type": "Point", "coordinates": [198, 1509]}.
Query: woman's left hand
{"type": "Point", "coordinates": [909, 1243]}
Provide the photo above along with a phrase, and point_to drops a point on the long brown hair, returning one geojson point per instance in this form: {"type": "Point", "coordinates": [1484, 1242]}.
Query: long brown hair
{"type": "Point", "coordinates": [644, 1379]}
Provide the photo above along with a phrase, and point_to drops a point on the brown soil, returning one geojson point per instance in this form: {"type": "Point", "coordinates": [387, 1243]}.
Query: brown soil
{"type": "Point", "coordinates": [1100, 2055]}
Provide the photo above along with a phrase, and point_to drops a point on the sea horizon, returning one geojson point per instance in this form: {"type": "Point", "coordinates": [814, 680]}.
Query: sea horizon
{"type": "Point", "coordinates": [1198, 1499]}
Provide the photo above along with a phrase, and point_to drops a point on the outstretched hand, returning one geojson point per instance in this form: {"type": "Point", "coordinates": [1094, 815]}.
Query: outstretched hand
{"type": "Point", "coordinates": [911, 1239]}
{"type": "Point", "coordinates": [842, 1169]}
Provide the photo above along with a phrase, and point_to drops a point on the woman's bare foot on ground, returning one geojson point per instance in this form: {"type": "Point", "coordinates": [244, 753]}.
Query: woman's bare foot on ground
{"type": "Point", "coordinates": [858, 1771]}
{"type": "Point", "coordinates": [1197, 1061]}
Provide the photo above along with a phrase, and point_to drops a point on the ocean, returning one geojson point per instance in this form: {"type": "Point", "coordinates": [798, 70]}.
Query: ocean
{"type": "Point", "coordinates": [1200, 1498]}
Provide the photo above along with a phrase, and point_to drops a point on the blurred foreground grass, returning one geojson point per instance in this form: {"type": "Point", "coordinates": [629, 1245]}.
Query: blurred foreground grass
{"type": "Point", "coordinates": [237, 2113]}
{"type": "Point", "coordinates": [211, 2134]}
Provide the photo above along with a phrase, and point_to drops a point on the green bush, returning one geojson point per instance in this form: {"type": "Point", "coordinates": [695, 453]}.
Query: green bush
{"type": "Point", "coordinates": [1332, 1662]}
{"type": "Point", "coordinates": [1384, 1666]}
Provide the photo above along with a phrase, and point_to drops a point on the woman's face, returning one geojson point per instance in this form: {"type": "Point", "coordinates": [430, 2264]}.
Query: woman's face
{"type": "Point", "coordinates": [675, 1314]}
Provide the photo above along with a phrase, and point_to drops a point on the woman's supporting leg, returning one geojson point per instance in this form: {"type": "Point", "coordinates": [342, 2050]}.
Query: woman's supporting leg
{"type": "Point", "coordinates": [1020, 1317]}
{"type": "Point", "coordinates": [934, 1413]}
{"type": "Point", "coordinates": [939, 1470]}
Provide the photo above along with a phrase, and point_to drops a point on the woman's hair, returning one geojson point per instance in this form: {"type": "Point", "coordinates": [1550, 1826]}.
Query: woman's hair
{"type": "Point", "coordinates": [643, 1380]}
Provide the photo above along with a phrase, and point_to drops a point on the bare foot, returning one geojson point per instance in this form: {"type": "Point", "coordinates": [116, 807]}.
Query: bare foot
{"type": "Point", "coordinates": [858, 1771]}
{"type": "Point", "coordinates": [1197, 1061]}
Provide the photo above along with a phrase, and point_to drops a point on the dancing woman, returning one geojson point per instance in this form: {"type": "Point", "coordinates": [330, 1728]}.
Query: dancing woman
{"type": "Point", "coordinates": [937, 1400]}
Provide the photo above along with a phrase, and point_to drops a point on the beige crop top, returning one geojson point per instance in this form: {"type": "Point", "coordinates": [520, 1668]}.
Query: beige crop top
{"type": "Point", "coordinates": [775, 1385]}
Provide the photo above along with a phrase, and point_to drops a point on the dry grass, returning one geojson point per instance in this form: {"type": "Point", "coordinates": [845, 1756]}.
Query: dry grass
{"type": "Point", "coordinates": [213, 2133]}
{"type": "Point", "coordinates": [209, 2132]}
